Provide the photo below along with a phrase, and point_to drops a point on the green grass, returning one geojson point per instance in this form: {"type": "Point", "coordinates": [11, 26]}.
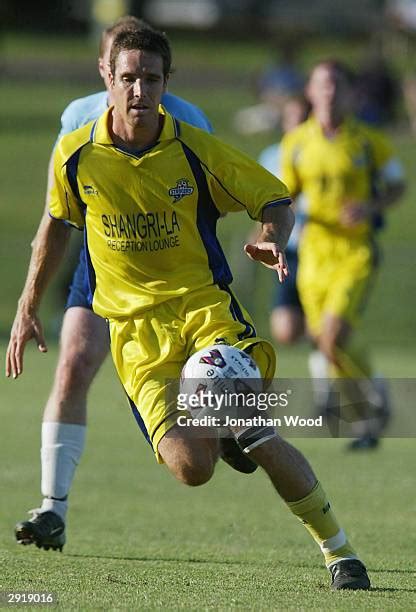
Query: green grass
{"type": "Point", "coordinates": [138, 539]}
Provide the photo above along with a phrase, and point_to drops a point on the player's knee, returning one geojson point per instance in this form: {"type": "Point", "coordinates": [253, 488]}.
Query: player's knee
{"type": "Point", "coordinates": [286, 325]}
{"type": "Point", "coordinates": [284, 335]}
{"type": "Point", "coordinates": [195, 474]}
{"type": "Point", "coordinates": [192, 461]}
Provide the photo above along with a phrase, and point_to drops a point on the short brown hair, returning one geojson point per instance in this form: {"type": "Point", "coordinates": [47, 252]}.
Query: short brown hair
{"type": "Point", "coordinates": [144, 39]}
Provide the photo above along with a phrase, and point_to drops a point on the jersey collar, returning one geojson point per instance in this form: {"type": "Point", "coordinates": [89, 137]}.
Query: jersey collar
{"type": "Point", "coordinates": [100, 133]}
{"type": "Point", "coordinates": [345, 126]}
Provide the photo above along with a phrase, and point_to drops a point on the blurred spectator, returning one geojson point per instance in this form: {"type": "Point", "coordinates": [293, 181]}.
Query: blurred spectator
{"type": "Point", "coordinates": [282, 78]}
{"type": "Point", "coordinates": [286, 318]}
{"type": "Point", "coordinates": [274, 86]}
{"type": "Point", "coordinates": [377, 90]}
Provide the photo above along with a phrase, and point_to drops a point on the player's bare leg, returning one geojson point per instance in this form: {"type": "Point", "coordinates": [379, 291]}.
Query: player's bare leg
{"type": "Point", "coordinates": [190, 457]}
{"type": "Point", "coordinates": [289, 471]}
{"type": "Point", "coordinates": [296, 483]}
{"type": "Point", "coordinates": [354, 380]}
{"type": "Point", "coordinates": [83, 347]}
{"type": "Point", "coordinates": [287, 324]}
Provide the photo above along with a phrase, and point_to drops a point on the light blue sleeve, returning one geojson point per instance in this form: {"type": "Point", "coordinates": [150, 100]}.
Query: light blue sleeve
{"type": "Point", "coordinates": [185, 111]}
{"type": "Point", "coordinates": [270, 159]}
{"type": "Point", "coordinates": [81, 111]}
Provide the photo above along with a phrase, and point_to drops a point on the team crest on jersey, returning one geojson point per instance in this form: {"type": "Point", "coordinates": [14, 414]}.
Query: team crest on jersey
{"type": "Point", "coordinates": [182, 189]}
{"type": "Point", "coordinates": [90, 190]}
{"type": "Point", "coordinates": [214, 358]}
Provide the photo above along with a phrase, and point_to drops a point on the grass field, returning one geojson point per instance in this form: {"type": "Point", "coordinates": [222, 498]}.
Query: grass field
{"type": "Point", "coordinates": [136, 538]}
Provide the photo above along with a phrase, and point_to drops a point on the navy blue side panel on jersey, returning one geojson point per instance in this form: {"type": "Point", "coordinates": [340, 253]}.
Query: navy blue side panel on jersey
{"type": "Point", "coordinates": [71, 171]}
{"type": "Point", "coordinates": [206, 221]}
{"type": "Point", "coordinates": [238, 315]}
{"type": "Point", "coordinates": [90, 269]}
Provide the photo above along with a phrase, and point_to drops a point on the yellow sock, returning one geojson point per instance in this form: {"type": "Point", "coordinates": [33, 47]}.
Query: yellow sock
{"type": "Point", "coordinates": [316, 514]}
{"type": "Point", "coordinates": [352, 380]}
{"type": "Point", "coordinates": [353, 361]}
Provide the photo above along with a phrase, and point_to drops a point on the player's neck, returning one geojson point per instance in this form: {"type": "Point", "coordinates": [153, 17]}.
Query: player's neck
{"type": "Point", "coordinates": [330, 122]}
{"type": "Point", "coordinates": [135, 137]}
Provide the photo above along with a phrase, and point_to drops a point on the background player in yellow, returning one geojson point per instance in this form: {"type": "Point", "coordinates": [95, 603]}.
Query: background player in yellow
{"type": "Point", "coordinates": [148, 190]}
{"type": "Point", "coordinates": [348, 175]}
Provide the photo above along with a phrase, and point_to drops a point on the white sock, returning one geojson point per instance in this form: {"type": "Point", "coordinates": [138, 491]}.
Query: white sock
{"type": "Point", "coordinates": [376, 392]}
{"type": "Point", "coordinates": [318, 369]}
{"type": "Point", "coordinates": [62, 447]}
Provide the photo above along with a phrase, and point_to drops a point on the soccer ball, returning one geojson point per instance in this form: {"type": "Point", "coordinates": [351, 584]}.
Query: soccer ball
{"type": "Point", "coordinates": [215, 379]}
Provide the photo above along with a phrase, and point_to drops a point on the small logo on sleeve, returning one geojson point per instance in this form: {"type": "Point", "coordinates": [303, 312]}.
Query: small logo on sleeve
{"type": "Point", "coordinates": [182, 189]}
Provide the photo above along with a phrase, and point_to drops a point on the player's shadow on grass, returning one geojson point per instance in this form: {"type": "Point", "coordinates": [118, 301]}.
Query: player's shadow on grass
{"type": "Point", "coordinates": [390, 571]}
{"type": "Point", "coordinates": [170, 559]}
{"type": "Point", "coordinates": [247, 562]}
{"type": "Point", "coordinates": [391, 590]}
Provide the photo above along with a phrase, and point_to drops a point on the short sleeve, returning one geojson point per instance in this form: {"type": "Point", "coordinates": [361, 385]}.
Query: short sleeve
{"type": "Point", "coordinates": [63, 201]}
{"type": "Point", "coordinates": [236, 182]}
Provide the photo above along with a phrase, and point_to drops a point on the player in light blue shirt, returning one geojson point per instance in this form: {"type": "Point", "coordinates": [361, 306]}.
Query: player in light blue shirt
{"type": "Point", "coordinates": [84, 336]}
{"type": "Point", "coordinates": [286, 318]}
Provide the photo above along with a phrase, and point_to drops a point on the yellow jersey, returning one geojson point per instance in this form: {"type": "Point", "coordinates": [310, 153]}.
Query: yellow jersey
{"type": "Point", "coordinates": [150, 216]}
{"type": "Point", "coordinates": [331, 172]}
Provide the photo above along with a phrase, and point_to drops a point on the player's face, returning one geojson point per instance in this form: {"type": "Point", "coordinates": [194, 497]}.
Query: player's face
{"type": "Point", "coordinates": [137, 87]}
{"type": "Point", "coordinates": [329, 91]}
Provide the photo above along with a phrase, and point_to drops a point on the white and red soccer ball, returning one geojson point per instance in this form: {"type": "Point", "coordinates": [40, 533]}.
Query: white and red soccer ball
{"type": "Point", "coordinates": [217, 370]}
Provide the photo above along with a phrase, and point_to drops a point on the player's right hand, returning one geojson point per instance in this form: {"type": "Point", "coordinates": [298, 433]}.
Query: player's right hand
{"type": "Point", "coordinates": [270, 255]}
{"type": "Point", "coordinates": [25, 327]}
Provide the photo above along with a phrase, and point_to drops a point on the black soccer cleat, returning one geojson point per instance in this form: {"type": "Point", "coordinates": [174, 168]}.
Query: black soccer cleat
{"type": "Point", "coordinates": [364, 443]}
{"type": "Point", "coordinates": [231, 453]}
{"type": "Point", "coordinates": [45, 529]}
{"type": "Point", "coordinates": [349, 574]}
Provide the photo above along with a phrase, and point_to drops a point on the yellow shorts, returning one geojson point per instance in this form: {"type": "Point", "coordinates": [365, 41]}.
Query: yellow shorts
{"type": "Point", "coordinates": [335, 275]}
{"type": "Point", "coordinates": [149, 352]}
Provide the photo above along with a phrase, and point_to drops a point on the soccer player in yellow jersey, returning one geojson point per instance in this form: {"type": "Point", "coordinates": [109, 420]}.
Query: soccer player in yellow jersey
{"type": "Point", "coordinates": [348, 175]}
{"type": "Point", "coordinates": [147, 190]}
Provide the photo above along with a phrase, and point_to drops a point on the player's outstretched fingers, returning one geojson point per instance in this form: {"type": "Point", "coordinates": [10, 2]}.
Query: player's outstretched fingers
{"type": "Point", "coordinates": [14, 359]}
{"type": "Point", "coordinates": [10, 367]}
{"type": "Point", "coordinates": [281, 267]}
{"type": "Point", "coordinates": [270, 255]}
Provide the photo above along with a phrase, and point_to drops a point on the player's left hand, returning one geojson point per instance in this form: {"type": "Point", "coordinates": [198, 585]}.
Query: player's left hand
{"type": "Point", "coordinates": [270, 255]}
{"type": "Point", "coordinates": [353, 213]}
